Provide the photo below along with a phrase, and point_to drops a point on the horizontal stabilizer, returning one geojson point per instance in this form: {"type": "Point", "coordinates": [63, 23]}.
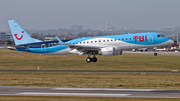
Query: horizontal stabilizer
{"type": "Point", "coordinates": [14, 46]}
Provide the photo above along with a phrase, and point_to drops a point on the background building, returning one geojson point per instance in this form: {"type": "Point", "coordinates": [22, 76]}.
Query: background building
{"type": "Point", "coordinates": [9, 36]}
{"type": "Point", "coordinates": [6, 36]}
{"type": "Point", "coordinates": [2, 35]}
{"type": "Point", "coordinates": [50, 38]}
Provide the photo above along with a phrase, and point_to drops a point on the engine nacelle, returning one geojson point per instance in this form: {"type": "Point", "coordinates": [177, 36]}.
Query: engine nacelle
{"type": "Point", "coordinates": [110, 51]}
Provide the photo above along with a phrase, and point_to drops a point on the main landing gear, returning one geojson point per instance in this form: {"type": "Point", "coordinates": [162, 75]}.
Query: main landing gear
{"type": "Point", "coordinates": [89, 59]}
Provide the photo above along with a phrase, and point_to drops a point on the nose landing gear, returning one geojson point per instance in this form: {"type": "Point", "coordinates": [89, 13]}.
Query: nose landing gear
{"type": "Point", "coordinates": [155, 54]}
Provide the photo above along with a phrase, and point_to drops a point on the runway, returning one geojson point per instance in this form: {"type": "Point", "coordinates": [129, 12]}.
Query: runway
{"type": "Point", "coordinates": [84, 71]}
{"type": "Point", "coordinates": [89, 92]}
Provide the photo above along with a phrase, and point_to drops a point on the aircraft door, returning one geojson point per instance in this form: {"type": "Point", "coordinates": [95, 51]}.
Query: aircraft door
{"type": "Point", "coordinates": [150, 38]}
{"type": "Point", "coordinates": [43, 47]}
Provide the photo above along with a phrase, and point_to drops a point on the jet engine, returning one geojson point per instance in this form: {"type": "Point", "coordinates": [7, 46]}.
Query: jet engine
{"type": "Point", "coordinates": [110, 51]}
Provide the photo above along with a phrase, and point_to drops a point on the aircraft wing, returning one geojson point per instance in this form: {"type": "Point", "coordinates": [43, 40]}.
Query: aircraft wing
{"type": "Point", "coordinates": [83, 47]}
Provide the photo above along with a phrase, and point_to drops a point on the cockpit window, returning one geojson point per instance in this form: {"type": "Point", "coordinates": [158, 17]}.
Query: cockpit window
{"type": "Point", "coordinates": [160, 35]}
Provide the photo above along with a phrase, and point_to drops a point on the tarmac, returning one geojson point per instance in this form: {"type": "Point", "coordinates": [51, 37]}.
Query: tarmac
{"type": "Point", "coordinates": [89, 92]}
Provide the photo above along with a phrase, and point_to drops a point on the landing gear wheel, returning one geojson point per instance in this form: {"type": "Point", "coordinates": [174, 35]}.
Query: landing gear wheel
{"type": "Point", "coordinates": [88, 60]}
{"type": "Point", "coordinates": [155, 54]}
{"type": "Point", "coordinates": [94, 59]}
{"type": "Point", "coordinates": [134, 50]}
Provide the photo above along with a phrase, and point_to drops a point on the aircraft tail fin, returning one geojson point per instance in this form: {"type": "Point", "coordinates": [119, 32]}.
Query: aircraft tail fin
{"type": "Point", "coordinates": [20, 36]}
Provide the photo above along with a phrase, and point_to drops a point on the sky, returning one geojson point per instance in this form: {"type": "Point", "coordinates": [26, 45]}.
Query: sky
{"type": "Point", "coordinates": [92, 14]}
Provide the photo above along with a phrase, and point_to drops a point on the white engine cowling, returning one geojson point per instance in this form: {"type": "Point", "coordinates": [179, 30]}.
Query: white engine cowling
{"type": "Point", "coordinates": [110, 51]}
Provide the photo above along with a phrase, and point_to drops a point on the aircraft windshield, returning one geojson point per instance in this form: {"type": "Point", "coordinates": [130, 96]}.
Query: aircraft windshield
{"type": "Point", "coordinates": [160, 35]}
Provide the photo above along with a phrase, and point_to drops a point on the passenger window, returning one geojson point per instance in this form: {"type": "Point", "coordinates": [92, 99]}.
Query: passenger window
{"type": "Point", "coordinates": [87, 41]}
{"type": "Point", "coordinates": [111, 40]}
{"type": "Point", "coordinates": [103, 40]}
{"type": "Point", "coordinates": [84, 42]}
{"type": "Point", "coordinates": [114, 39]}
{"type": "Point", "coordinates": [80, 42]}
{"type": "Point", "coordinates": [91, 41]}
{"type": "Point", "coordinates": [122, 39]}
{"type": "Point", "coordinates": [95, 41]}
{"type": "Point", "coordinates": [107, 40]}
{"type": "Point", "coordinates": [129, 38]}
{"type": "Point", "coordinates": [126, 38]}
{"type": "Point", "coordinates": [119, 39]}
{"type": "Point", "coordinates": [159, 36]}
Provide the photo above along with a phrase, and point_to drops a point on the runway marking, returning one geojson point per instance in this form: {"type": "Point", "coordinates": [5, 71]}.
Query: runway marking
{"type": "Point", "coordinates": [23, 90]}
{"type": "Point", "coordinates": [72, 94]}
{"type": "Point", "coordinates": [102, 89]}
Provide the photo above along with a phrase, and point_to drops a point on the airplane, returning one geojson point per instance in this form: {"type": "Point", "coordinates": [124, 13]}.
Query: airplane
{"type": "Point", "coordinates": [112, 45]}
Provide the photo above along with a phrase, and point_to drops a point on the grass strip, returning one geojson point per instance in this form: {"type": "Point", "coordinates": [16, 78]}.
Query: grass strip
{"type": "Point", "coordinates": [13, 60]}
{"type": "Point", "coordinates": [92, 80]}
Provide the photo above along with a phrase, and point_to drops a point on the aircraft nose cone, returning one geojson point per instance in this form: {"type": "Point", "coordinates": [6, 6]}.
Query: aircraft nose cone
{"type": "Point", "coordinates": [171, 42]}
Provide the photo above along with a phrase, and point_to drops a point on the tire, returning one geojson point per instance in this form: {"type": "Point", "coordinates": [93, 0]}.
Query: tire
{"type": "Point", "coordinates": [94, 59]}
{"type": "Point", "coordinates": [134, 50]}
{"type": "Point", "coordinates": [155, 54]}
{"type": "Point", "coordinates": [88, 60]}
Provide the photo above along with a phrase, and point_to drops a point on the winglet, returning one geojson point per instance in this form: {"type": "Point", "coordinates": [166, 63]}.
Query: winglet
{"type": "Point", "coordinates": [59, 40]}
